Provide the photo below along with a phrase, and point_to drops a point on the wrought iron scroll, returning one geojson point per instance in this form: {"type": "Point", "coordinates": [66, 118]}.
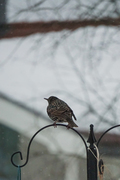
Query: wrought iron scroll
{"type": "Point", "coordinates": [93, 163]}
{"type": "Point", "coordinates": [28, 149]}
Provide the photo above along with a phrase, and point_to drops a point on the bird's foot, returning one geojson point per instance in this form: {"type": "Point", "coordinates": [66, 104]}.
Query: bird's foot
{"type": "Point", "coordinates": [55, 125]}
{"type": "Point", "coordinates": [68, 126]}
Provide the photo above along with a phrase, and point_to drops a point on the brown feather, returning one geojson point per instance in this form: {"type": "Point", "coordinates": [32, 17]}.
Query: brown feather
{"type": "Point", "coordinates": [59, 111]}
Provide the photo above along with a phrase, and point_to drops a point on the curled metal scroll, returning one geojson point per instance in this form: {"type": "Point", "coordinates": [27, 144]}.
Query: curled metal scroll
{"type": "Point", "coordinates": [28, 149]}
{"type": "Point", "coordinates": [105, 133]}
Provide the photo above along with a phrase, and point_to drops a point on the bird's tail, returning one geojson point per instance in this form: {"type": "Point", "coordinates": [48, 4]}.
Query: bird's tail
{"type": "Point", "coordinates": [72, 124]}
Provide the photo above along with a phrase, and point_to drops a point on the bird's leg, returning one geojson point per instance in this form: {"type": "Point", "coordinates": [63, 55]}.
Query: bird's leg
{"type": "Point", "coordinates": [55, 125]}
{"type": "Point", "coordinates": [68, 126]}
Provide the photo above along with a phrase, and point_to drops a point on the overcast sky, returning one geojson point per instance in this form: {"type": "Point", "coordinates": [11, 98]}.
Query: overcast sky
{"type": "Point", "coordinates": [80, 67]}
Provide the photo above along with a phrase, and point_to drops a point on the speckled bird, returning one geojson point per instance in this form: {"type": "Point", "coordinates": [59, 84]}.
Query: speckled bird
{"type": "Point", "coordinates": [59, 111]}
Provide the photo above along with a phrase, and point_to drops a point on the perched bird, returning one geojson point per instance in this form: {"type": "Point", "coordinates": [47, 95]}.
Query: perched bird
{"type": "Point", "coordinates": [59, 111]}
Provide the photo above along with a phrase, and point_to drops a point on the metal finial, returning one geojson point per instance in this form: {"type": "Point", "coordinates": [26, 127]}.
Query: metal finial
{"type": "Point", "coordinates": [91, 138]}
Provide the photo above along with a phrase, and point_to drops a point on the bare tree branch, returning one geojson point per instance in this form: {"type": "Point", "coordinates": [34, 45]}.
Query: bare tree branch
{"type": "Point", "coordinates": [24, 29]}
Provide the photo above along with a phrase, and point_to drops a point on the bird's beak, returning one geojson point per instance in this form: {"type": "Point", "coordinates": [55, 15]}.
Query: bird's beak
{"type": "Point", "coordinates": [46, 99]}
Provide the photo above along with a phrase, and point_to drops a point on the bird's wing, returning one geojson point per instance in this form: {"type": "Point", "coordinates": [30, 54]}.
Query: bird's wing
{"type": "Point", "coordinates": [59, 111]}
{"type": "Point", "coordinates": [62, 114]}
{"type": "Point", "coordinates": [66, 110]}
{"type": "Point", "coordinates": [73, 115]}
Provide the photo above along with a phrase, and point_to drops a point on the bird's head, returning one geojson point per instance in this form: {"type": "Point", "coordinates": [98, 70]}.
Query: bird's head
{"type": "Point", "coordinates": [51, 99]}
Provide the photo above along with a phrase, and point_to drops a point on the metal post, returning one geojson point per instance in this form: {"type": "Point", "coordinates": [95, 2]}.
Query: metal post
{"type": "Point", "coordinates": [92, 157]}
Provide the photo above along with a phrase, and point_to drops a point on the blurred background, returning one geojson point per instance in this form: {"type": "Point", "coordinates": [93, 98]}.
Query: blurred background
{"type": "Point", "coordinates": [69, 49]}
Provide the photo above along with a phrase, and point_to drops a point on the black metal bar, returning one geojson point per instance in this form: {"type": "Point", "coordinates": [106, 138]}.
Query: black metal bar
{"type": "Point", "coordinates": [28, 149]}
{"type": "Point", "coordinates": [105, 133]}
{"type": "Point", "coordinates": [92, 157]}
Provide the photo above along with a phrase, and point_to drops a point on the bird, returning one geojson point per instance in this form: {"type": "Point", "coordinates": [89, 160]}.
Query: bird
{"type": "Point", "coordinates": [59, 111]}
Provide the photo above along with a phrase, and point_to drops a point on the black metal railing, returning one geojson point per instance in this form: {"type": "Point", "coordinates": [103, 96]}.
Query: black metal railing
{"type": "Point", "coordinates": [95, 165]}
